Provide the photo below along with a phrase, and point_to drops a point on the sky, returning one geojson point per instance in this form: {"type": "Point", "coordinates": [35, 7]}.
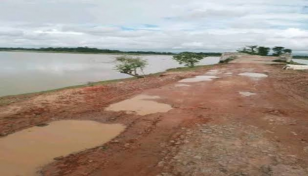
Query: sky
{"type": "Point", "coordinates": [156, 25]}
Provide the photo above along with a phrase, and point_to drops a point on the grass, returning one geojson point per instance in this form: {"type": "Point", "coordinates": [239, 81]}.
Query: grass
{"type": "Point", "coordinates": [187, 68]}
{"type": "Point", "coordinates": [302, 58]}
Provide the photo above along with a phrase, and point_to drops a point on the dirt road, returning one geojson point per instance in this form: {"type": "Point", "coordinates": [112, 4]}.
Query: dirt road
{"type": "Point", "coordinates": [234, 119]}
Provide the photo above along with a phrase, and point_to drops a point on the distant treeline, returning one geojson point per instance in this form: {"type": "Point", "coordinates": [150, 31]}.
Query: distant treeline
{"type": "Point", "coordinates": [96, 50]}
{"type": "Point", "coordinates": [265, 51]}
{"type": "Point", "coordinates": [300, 57]}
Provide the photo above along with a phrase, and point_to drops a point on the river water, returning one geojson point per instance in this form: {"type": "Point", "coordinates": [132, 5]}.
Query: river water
{"type": "Point", "coordinates": [301, 61]}
{"type": "Point", "coordinates": [26, 72]}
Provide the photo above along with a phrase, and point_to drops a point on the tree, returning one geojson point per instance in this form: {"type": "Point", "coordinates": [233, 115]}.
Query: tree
{"type": "Point", "coordinates": [252, 49]}
{"type": "Point", "coordinates": [278, 50]}
{"type": "Point", "coordinates": [244, 50]}
{"type": "Point", "coordinates": [287, 51]}
{"type": "Point", "coordinates": [130, 65]}
{"type": "Point", "coordinates": [188, 58]}
{"type": "Point", "coordinates": [249, 50]}
{"type": "Point", "coordinates": [263, 51]}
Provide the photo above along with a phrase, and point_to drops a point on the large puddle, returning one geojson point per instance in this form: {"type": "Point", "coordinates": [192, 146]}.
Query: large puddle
{"type": "Point", "coordinates": [24, 152]}
{"type": "Point", "coordinates": [141, 105]}
{"type": "Point", "coordinates": [253, 75]}
{"type": "Point", "coordinates": [198, 79]}
{"type": "Point", "coordinates": [247, 94]}
{"type": "Point", "coordinates": [212, 72]}
{"type": "Point", "coordinates": [182, 85]}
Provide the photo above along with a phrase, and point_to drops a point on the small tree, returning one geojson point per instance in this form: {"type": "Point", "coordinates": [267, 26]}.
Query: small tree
{"type": "Point", "coordinates": [130, 65]}
{"type": "Point", "coordinates": [278, 50]}
{"type": "Point", "coordinates": [188, 58]}
{"type": "Point", "coordinates": [249, 50]}
{"type": "Point", "coordinates": [243, 50]}
{"type": "Point", "coordinates": [287, 51]}
{"type": "Point", "coordinates": [252, 49]}
{"type": "Point", "coordinates": [263, 51]}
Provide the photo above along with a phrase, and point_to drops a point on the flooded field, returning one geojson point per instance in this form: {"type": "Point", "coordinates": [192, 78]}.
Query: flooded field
{"type": "Point", "coordinates": [26, 72]}
{"type": "Point", "coordinates": [24, 152]}
{"type": "Point", "coordinates": [141, 105]}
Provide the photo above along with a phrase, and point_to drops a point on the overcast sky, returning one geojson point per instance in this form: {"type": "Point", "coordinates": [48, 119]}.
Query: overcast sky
{"type": "Point", "coordinates": [161, 25]}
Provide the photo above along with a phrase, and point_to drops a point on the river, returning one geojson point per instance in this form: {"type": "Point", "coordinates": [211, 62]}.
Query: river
{"type": "Point", "coordinates": [301, 61]}
{"type": "Point", "coordinates": [26, 72]}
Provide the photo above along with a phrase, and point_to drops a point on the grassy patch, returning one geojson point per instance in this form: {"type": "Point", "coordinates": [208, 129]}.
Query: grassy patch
{"type": "Point", "coordinates": [188, 68]}
{"type": "Point", "coordinates": [301, 57]}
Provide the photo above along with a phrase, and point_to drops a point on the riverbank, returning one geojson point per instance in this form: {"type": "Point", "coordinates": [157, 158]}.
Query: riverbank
{"type": "Point", "coordinates": [6, 100]}
{"type": "Point", "coordinates": [217, 112]}
{"type": "Point", "coordinates": [37, 104]}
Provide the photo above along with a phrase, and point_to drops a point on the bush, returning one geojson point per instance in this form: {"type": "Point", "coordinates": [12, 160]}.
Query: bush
{"type": "Point", "coordinates": [229, 59]}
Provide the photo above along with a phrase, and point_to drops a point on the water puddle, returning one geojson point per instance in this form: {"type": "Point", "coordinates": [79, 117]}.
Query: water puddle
{"type": "Point", "coordinates": [141, 105]}
{"type": "Point", "coordinates": [229, 73]}
{"type": "Point", "coordinates": [212, 72]}
{"type": "Point", "coordinates": [24, 152]}
{"type": "Point", "coordinates": [253, 75]}
{"type": "Point", "coordinates": [182, 85]}
{"type": "Point", "coordinates": [198, 79]}
{"type": "Point", "coordinates": [247, 94]}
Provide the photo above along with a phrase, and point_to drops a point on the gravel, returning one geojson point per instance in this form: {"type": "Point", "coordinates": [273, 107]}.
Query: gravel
{"type": "Point", "coordinates": [228, 149]}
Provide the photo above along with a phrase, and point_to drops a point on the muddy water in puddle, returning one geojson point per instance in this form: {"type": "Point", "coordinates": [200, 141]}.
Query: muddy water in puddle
{"type": "Point", "coordinates": [212, 72]}
{"type": "Point", "coordinates": [198, 79]}
{"type": "Point", "coordinates": [24, 152]}
{"type": "Point", "coordinates": [253, 75]}
{"type": "Point", "coordinates": [247, 94]}
{"type": "Point", "coordinates": [141, 105]}
{"type": "Point", "coordinates": [182, 85]}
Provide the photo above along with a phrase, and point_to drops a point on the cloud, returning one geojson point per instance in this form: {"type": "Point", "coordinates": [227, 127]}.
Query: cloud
{"type": "Point", "coordinates": [173, 25]}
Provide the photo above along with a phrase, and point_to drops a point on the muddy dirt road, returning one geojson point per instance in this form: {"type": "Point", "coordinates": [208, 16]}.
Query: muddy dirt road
{"type": "Point", "coordinates": [234, 119]}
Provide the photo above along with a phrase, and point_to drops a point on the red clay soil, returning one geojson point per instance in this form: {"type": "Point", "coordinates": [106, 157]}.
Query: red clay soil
{"type": "Point", "coordinates": [211, 130]}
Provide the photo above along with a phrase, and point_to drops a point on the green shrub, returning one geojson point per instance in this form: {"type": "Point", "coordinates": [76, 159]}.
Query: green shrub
{"type": "Point", "coordinates": [130, 65]}
{"type": "Point", "coordinates": [188, 59]}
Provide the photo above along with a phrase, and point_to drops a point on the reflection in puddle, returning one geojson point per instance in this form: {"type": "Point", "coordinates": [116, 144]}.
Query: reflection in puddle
{"type": "Point", "coordinates": [141, 105]}
{"type": "Point", "coordinates": [24, 152]}
{"type": "Point", "coordinates": [182, 85]}
{"type": "Point", "coordinates": [198, 79]}
{"type": "Point", "coordinates": [247, 94]}
{"type": "Point", "coordinates": [253, 75]}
